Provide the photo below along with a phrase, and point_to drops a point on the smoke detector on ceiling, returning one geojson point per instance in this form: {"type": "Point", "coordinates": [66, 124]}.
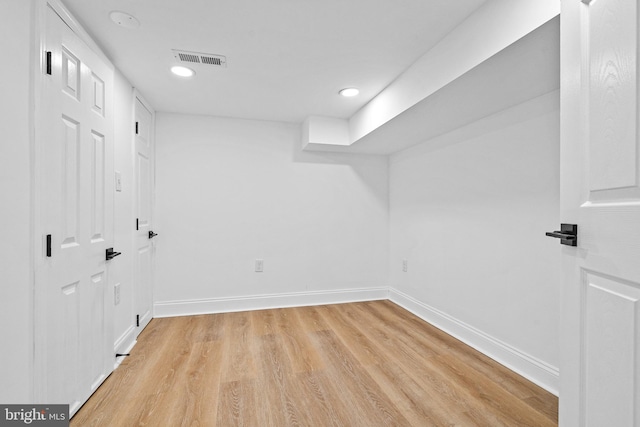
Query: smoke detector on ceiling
{"type": "Point", "coordinates": [123, 19]}
{"type": "Point", "coordinates": [187, 57]}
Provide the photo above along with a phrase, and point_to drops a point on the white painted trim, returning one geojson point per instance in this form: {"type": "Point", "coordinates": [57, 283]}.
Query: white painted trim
{"type": "Point", "coordinates": [39, 374]}
{"type": "Point", "coordinates": [260, 302]}
{"type": "Point", "coordinates": [75, 26]}
{"type": "Point", "coordinates": [124, 344]}
{"type": "Point", "coordinates": [138, 95]}
{"type": "Point", "coordinates": [533, 369]}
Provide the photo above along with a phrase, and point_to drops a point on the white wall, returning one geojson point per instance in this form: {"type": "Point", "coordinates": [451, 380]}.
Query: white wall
{"type": "Point", "coordinates": [490, 29]}
{"type": "Point", "coordinates": [468, 211]}
{"type": "Point", "coordinates": [16, 313]}
{"type": "Point", "coordinates": [231, 191]}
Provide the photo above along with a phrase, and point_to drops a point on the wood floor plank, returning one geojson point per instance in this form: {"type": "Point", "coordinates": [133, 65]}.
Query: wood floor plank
{"type": "Point", "coordinates": [237, 404]}
{"type": "Point", "coordinates": [209, 327]}
{"type": "Point", "coordinates": [310, 319]}
{"type": "Point", "coordinates": [365, 350]}
{"type": "Point", "coordinates": [353, 377]}
{"type": "Point", "coordinates": [317, 394]}
{"type": "Point", "coordinates": [264, 322]}
{"type": "Point", "coordinates": [419, 405]}
{"type": "Point", "coordinates": [276, 385]}
{"type": "Point", "coordinates": [238, 363]}
{"type": "Point", "coordinates": [302, 355]}
{"type": "Point", "coordinates": [362, 364]}
{"type": "Point", "coordinates": [195, 401]}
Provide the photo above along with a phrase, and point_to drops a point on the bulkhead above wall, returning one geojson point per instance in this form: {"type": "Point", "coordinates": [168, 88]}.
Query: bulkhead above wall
{"type": "Point", "coordinates": [468, 75]}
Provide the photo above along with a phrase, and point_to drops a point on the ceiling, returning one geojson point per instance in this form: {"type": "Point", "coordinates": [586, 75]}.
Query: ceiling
{"type": "Point", "coordinates": [286, 59]}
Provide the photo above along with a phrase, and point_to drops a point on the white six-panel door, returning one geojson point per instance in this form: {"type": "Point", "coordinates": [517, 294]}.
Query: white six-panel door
{"type": "Point", "coordinates": [600, 191]}
{"type": "Point", "coordinates": [73, 335]}
{"type": "Point", "coordinates": [144, 245]}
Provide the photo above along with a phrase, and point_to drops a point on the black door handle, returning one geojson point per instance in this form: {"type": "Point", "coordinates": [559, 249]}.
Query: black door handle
{"type": "Point", "coordinates": [568, 234]}
{"type": "Point", "coordinates": [111, 254]}
{"type": "Point", "coordinates": [152, 234]}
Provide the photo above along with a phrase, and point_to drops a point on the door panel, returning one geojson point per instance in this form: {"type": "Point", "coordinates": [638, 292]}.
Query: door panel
{"type": "Point", "coordinates": [74, 343]}
{"type": "Point", "coordinates": [65, 382]}
{"type": "Point", "coordinates": [93, 322]}
{"type": "Point", "coordinates": [612, 34]}
{"type": "Point", "coordinates": [98, 95]}
{"type": "Point", "coordinates": [616, 341]}
{"type": "Point", "coordinates": [612, 40]}
{"type": "Point", "coordinates": [98, 196]}
{"type": "Point", "coordinates": [144, 283]}
{"type": "Point", "coordinates": [600, 177]}
{"type": "Point", "coordinates": [70, 185]}
{"type": "Point", "coordinates": [144, 189]}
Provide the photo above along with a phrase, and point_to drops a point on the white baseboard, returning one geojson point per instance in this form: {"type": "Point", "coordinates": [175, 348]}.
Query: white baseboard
{"type": "Point", "coordinates": [124, 344]}
{"type": "Point", "coordinates": [535, 370]}
{"type": "Point", "coordinates": [260, 302]}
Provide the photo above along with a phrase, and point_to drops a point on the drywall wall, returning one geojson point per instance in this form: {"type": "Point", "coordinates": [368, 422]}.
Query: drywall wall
{"type": "Point", "coordinates": [16, 312]}
{"type": "Point", "coordinates": [490, 29]}
{"type": "Point", "coordinates": [231, 191]}
{"type": "Point", "coordinates": [468, 212]}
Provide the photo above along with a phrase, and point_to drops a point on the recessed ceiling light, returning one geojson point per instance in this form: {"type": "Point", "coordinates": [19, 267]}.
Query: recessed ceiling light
{"type": "Point", "coordinates": [349, 91]}
{"type": "Point", "coordinates": [123, 19]}
{"type": "Point", "coordinates": [181, 71]}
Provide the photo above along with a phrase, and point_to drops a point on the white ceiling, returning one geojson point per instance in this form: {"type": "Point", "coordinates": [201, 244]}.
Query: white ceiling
{"type": "Point", "coordinates": [286, 59]}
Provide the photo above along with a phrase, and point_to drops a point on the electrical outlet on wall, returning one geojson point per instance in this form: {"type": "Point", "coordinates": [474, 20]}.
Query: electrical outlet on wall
{"type": "Point", "coordinates": [259, 265]}
{"type": "Point", "coordinates": [116, 294]}
{"type": "Point", "coordinates": [405, 265]}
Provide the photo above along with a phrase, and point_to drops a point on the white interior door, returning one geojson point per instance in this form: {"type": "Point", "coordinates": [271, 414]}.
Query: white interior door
{"type": "Point", "coordinates": [600, 176]}
{"type": "Point", "coordinates": [74, 342]}
{"type": "Point", "coordinates": [144, 172]}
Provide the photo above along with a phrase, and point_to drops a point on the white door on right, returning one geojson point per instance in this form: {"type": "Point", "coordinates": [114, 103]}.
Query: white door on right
{"type": "Point", "coordinates": [144, 174]}
{"type": "Point", "coordinates": [600, 192]}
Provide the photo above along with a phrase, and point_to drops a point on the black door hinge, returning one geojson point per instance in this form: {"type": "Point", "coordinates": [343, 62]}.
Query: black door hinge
{"type": "Point", "coordinates": [136, 128]}
{"type": "Point", "coordinates": [49, 245]}
{"type": "Point", "coordinates": [48, 62]}
{"type": "Point", "coordinates": [137, 320]}
{"type": "Point", "coordinates": [137, 223]}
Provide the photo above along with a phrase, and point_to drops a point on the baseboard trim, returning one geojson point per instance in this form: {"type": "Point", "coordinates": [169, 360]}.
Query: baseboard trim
{"type": "Point", "coordinates": [533, 369]}
{"type": "Point", "coordinates": [124, 344]}
{"type": "Point", "coordinates": [261, 302]}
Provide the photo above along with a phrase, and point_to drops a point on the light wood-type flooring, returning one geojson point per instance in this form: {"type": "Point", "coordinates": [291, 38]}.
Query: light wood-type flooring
{"type": "Point", "coordinates": [359, 364]}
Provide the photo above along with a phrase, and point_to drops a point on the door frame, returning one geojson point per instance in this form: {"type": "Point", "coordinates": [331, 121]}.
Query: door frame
{"type": "Point", "coordinates": [39, 373]}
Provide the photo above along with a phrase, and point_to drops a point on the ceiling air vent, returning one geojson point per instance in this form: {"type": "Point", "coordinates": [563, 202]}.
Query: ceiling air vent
{"type": "Point", "coordinates": [200, 58]}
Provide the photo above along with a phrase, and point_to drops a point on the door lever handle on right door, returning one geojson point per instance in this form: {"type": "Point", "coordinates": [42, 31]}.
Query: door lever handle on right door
{"type": "Point", "coordinates": [152, 234]}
